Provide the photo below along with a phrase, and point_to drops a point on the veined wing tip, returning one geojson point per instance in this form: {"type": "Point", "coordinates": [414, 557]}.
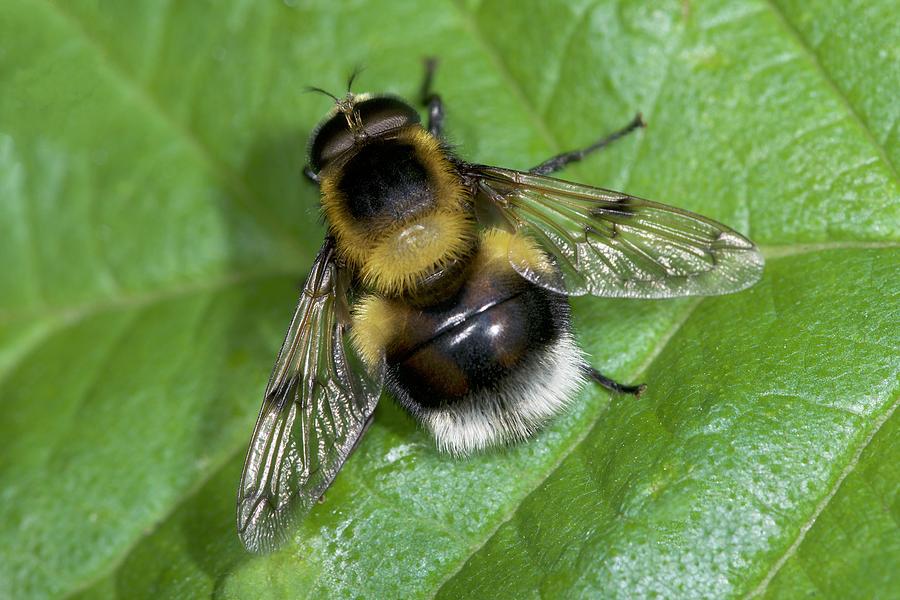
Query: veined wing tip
{"type": "Point", "coordinates": [733, 241]}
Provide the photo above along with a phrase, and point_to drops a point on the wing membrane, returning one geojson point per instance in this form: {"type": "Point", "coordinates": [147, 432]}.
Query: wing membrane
{"type": "Point", "coordinates": [606, 243]}
{"type": "Point", "coordinates": [317, 404]}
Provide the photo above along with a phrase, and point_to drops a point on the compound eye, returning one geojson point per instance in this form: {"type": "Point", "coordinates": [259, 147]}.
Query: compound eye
{"type": "Point", "coordinates": [378, 116]}
{"type": "Point", "coordinates": [382, 114]}
{"type": "Point", "coordinates": [332, 139]}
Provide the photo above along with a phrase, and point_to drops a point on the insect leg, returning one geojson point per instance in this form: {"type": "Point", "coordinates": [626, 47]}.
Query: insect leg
{"type": "Point", "coordinates": [551, 165]}
{"type": "Point", "coordinates": [311, 175]}
{"type": "Point", "coordinates": [432, 101]}
{"type": "Point", "coordinates": [612, 385]}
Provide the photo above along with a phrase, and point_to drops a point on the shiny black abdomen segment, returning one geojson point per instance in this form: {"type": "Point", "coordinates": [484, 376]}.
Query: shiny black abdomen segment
{"type": "Point", "coordinates": [385, 180]}
{"type": "Point", "coordinates": [480, 352]}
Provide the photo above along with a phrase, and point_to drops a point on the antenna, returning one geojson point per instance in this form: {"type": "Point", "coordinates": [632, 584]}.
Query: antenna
{"type": "Point", "coordinates": [310, 88]}
{"type": "Point", "coordinates": [356, 71]}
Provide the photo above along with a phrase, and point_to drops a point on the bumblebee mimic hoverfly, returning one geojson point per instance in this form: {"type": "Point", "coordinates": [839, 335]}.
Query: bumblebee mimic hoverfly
{"type": "Point", "coordinates": [445, 283]}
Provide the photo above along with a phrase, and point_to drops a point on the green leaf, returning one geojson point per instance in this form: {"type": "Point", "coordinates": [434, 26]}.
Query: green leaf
{"type": "Point", "coordinates": [855, 527]}
{"type": "Point", "coordinates": [154, 227]}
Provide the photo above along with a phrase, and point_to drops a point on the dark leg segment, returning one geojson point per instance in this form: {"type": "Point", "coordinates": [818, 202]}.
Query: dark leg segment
{"type": "Point", "coordinates": [551, 165]}
{"type": "Point", "coordinates": [432, 101]}
{"type": "Point", "coordinates": [612, 385]}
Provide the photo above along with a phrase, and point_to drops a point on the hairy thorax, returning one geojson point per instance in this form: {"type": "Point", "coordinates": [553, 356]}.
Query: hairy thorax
{"type": "Point", "coordinates": [398, 211]}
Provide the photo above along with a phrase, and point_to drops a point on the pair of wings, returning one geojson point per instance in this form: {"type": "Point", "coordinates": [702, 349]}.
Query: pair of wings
{"type": "Point", "coordinates": [320, 397]}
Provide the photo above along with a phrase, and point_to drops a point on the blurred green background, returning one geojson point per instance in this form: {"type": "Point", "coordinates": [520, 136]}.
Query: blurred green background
{"type": "Point", "coordinates": [154, 228]}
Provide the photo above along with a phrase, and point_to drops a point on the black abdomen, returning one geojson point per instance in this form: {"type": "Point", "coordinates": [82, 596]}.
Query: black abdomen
{"type": "Point", "coordinates": [474, 341]}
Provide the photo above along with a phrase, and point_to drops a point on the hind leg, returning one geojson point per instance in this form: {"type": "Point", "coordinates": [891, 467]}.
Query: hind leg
{"type": "Point", "coordinates": [612, 385]}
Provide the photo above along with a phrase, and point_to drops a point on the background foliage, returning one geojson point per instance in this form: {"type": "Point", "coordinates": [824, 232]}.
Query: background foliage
{"type": "Point", "coordinates": [154, 227]}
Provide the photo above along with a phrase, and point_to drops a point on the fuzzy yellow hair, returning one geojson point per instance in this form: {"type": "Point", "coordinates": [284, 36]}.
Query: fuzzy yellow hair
{"type": "Point", "coordinates": [407, 254]}
{"type": "Point", "coordinates": [393, 256]}
{"type": "Point", "coordinates": [500, 245]}
{"type": "Point", "coordinates": [375, 324]}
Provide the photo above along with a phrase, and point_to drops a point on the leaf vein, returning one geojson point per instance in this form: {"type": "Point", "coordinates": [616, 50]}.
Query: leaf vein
{"type": "Point", "coordinates": [68, 317]}
{"type": "Point", "coordinates": [823, 504]}
{"type": "Point", "coordinates": [809, 50]}
{"type": "Point", "coordinates": [241, 191]}
{"type": "Point", "coordinates": [567, 49]}
{"type": "Point", "coordinates": [511, 82]}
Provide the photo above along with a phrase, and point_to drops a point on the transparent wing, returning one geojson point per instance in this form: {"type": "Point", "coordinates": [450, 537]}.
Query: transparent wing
{"type": "Point", "coordinates": [610, 244]}
{"type": "Point", "coordinates": [317, 404]}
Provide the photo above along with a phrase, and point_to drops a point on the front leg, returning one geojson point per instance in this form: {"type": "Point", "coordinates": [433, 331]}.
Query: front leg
{"type": "Point", "coordinates": [551, 165]}
{"type": "Point", "coordinates": [432, 101]}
